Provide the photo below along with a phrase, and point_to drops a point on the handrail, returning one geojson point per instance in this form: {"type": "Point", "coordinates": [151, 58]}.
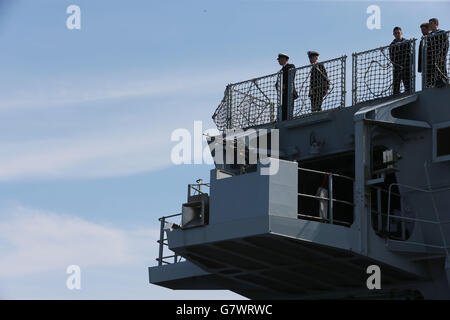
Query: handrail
{"type": "Point", "coordinates": [196, 187]}
{"type": "Point", "coordinates": [254, 79]}
{"type": "Point", "coordinates": [414, 189]}
{"type": "Point", "coordinates": [411, 219]}
{"type": "Point", "coordinates": [330, 198]}
{"type": "Point", "coordinates": [161, 258]}
{"type": "Point", "coordinates": [327, 173]}
{"type": "Point", "coordinates": [439, 223]}
{"type": "Point", "coordinates": [173, 215]}
{"type": "Point", "coordinates": [335, 221]}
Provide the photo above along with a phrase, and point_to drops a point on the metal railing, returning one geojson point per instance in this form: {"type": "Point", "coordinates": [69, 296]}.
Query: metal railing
{"type": "Point", "coordinates": [381, 200]}
{"type": "Point", "coordinates": [376, 73]}
{"type": "Point", "coordinates": [434, 59]}
{"type": "Point", "coordinates": [326, 199]}
{"type": "Point", "coordinates": [249, 103]}
{"type": "Point", "coordinates": [436, 222]}
{"type": "Point", "coordinates": [262, 100]}
{"type": "Point", "coordinates": [163, 241]}
{"type": "Point", "coordinates": [196, 188]}
{"type": "Point", "coordinates": [193, 189]}
{"type": "Point", "coordinates": [319, 87]}
{"type": "Point", "coordinates": [383, 71]}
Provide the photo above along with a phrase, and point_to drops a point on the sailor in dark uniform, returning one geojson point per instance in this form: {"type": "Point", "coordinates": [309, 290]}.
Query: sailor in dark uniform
{"type": "Point", "coordinates": [438, 47]}
{"type": "Point", "coordinates": [425, 28]}
{"type": "Point", "coordinates": [283, 61]}
{"type": "Point", "coordinates": [400, 56]}
{"type": "Point", "coordinates": [319, 83]}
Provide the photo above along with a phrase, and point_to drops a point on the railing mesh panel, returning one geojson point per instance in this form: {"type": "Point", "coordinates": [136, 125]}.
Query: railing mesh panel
{"type": "Point", "coordinates": [384, 71]}
{"type": "Point", "coordinates": [320, 87]}
{"type": "Point", "coordinates": [249, 103]}
{"type": "Point", "coordinates": [437, 63]}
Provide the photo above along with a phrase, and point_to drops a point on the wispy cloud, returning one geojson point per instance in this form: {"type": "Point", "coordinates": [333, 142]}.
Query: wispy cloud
{"type": "Point", "coordinates": [35, 241]}
{"type": "Point", "coordinates": [62, 128]}
{"type": "Point", "coordinates": [37, 246]}
{"type": "Point", "coordinates": [97, 155]}
{"type": "Point", "coordinates": [59, 91]}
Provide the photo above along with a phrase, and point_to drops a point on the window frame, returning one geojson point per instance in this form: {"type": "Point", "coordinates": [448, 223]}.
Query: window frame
{"type": "Point", "coordinates": [435, 128]}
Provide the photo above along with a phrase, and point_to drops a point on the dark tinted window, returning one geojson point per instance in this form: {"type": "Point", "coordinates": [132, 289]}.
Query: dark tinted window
{"type": "Point", "coordinates": [443, 141]}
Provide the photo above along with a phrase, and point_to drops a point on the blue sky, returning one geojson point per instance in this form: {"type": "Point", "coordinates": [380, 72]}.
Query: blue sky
{"type": "Point", "coordinates": [86, 118]}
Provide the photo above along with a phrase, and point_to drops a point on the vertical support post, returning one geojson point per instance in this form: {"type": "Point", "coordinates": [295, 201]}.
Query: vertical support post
{"type": "Point", "coordinates": [229, 104]}
{"type": "Point", "coordinates": [354, 78]}
{"type": "Point", "coordinates": [362, 173]}
{"type": "Point", "coordinates": [388, 224]}
{"type": "Point", "coordinates": [403, 226]}
{"type": "Point", "coordinates": [290, 94]}
{"type": "Point", "coordinates": [249, 115]}
{"type": "Point", "coordinates": [413, 66]}
{"type": "Point", "coordinates": [380, 221]}
{"type": "Point", "coordinates": [330, 201]}
{"type": "Point", "coordinates": [161, 242]}
{"type": "Point", "coordinates": [280, 96]}
{"type": "Point", "coordinates": [272, 112]}
{"type": "Point", "coordinates": [343, 80]}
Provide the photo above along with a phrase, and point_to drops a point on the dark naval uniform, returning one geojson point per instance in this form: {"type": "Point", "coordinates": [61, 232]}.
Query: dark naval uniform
{"type": "Point", "coordinates": [400, 55]}
{"type": "Point", "coordinates": [422, 61]}
{"type": "Point", "coordinates": [284, 98]}
{"type": "Point", "coordinates": [437, 47]}
{"type": "Point", "coordinates": [319, 86]}
{"type": "Point", "coordinates": [419, 61]}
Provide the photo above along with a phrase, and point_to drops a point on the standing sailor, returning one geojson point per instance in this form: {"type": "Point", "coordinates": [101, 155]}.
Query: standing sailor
{"type": "Point", "coordinates": [438, 46]}
{"type": "Point", "coordinates": [400, 56]}
{"type": "Point", "coordinates": [319, 83]}
{"type": "Point", "coordinates": [425, 28]}
{"type": "Point", "coordinates": [284, 72]}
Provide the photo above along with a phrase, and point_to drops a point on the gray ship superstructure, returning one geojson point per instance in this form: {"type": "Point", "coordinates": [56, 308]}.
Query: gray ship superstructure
{"type": "Point", "coordinates": [356, 186]}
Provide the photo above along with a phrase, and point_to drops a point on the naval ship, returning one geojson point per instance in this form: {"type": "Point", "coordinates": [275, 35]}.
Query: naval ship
{"type": "Point", "coordinates": [356, 187]}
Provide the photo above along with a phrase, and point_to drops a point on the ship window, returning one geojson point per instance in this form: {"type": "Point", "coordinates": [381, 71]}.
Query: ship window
{"type": "Point", "coordinates": [443, 141]}
{"type": "Point", "coordinates": [313, 184]}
